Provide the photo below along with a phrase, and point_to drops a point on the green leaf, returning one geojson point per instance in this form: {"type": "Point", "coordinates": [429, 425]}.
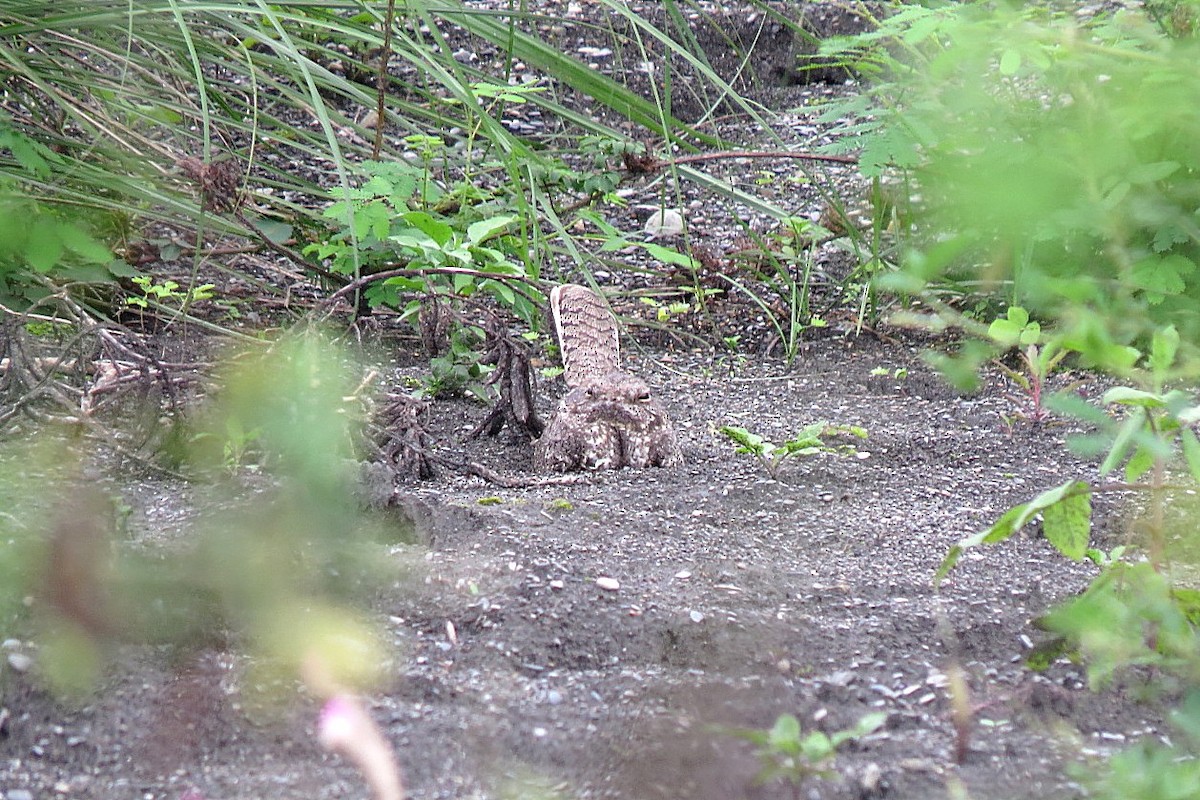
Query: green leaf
{"type": "Point", "coordinates": [748, 442]}
{"type": "Point", "coordinates": [1163, 348]}
{"type": "Point", "coordinates": [1141, 462]}
{"type": "Point", "coordinates": [484, 229]}
{"type": "Point", "coordinates": [1191, 452]}
{"type": "Point", "coordinates": [44, 248]}
{"type": "Point", "coordinates": [1128, 396]}
{"type": "Point", "coordinates": [1121, 442]}
{"type": "Point", "coordinates": [276, 231]}
{"type": "Point", "coordinates": [83, 245]}
{"type": "Point", "coordinates": [435, 229]}
{"type": "Point", "coordinates": [785, 735]}
{"type": "Point", "coordinates": [668, 256]}
{"type": "Point", "coordinates": [502, 291]}
{"type": "Point", "coordinates": [1162, 276]}
{"type": "Point", "coordinates": [1031, 335]}
{"type": "Point", "coordinates": [1067, 524]}
{"type": "Point", "coordinates": [1153, 172]}
{"type": "Point", "coordinates": [1016, 518]}
{"type": "Point", "coordinates": [1005, 332]}
{"type": "Point", "coordinates": [816, 747]}
{"type": "Point", "coordinates": [1010, 62]}
{"type": "Point", "coordinates": [27, 152]}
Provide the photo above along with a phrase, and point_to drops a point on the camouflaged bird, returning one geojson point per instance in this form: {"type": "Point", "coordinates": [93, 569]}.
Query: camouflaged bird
{"type": "Point", "coordinates": [608, 419]}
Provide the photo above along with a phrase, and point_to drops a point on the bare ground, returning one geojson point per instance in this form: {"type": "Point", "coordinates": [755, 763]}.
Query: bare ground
{"type": "Point", "coordinates": [740, 598]}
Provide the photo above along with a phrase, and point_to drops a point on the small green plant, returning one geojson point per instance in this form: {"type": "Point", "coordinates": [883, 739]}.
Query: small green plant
{"type": "Point", "coordinates": [899, 373]}
{"type": "Point", "coordinates": [235, 442]}
{"type": "Point", "coordinates": [809, 441]}
{"type": "Point", "coordinates": [458, 370]}
{"type": "Point", "coordinates": [434, 249]}
{"type": "Point", "coordinates": [40, 242]}
{"type": "Point", "coordinates": [787, 753]}
{"type": "Point", "coordinates": [1038, 357]}
{"type": "Point", "coordinates": [1153, 433]}
{"type": "Point", "coordinates": [167, 293]}
{"type": "Point", "coordinates": [665, 312]}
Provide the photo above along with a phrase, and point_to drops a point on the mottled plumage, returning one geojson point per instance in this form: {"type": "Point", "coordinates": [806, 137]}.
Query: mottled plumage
{"type": "Point", "coordinates": [608, 419]}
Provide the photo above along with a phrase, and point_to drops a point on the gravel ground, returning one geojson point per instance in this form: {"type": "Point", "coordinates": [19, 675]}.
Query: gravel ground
{"type": "Point", "coordinates": [739, 598]}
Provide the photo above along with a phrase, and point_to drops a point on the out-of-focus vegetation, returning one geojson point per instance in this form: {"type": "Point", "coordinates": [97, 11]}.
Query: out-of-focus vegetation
{"type": "Point", "coordinates": [280, 568]}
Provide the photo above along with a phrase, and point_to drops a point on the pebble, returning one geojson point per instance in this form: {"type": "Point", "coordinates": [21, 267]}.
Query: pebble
{"type": "Point", "coordinates": [19, 661]}
{"type": "Point", "coordinates": [664, 223]}
{"type": "Point", "coordinates": [870, 777]}
{"type": "Point", "coordinates": [608, 584]}
{"type": "Point", "coordinates": [18, 794]}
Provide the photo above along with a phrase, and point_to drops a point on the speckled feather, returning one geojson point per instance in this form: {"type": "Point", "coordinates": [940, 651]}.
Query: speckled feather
{"type": "Point", "coordinates": [587, 333]}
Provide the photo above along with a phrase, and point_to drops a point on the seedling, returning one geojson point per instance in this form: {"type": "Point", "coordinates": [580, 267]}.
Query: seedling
{"type": "Point", "coordinates": [664, 312]}
{"type": "Point", "coordinates": [787, 753]}
{"type": "Point", "coordinates": [809, 441]}
{"type": "Point", "coordinates": [1038, 358]}
{"type": "Point", "coordinates": [167, 292]}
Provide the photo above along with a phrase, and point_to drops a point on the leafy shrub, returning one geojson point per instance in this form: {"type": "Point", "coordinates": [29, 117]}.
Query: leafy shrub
{"type": "Point", "coordinates": [1056, 161]}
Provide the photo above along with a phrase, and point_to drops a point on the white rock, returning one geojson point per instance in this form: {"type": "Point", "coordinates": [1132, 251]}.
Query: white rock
{"type": "Point", "coordinates": [664, 223]}
{"type": "Point", "coordinates": [19, 661]}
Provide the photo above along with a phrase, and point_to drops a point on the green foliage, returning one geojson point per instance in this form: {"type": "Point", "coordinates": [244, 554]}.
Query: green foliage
{"type": "Point", "coordinates": [394, 221]}
{"type": "Point", "coordinates": [1038, 356]}
{"type": "Point", "coordinates": [167, 291]}
{"type": "Point", "coordinates": [809, 441]}
{"type": "Point", "coordinates": [787, 753]}
{"type": "Point", "coordinates": [278, 571]}
{"type": "Point", "coordinates": [1131, 615]}
{"type": "Point", "coordinates": [1054, 161]}
{"type": "Point", "coordinates": [1066, 522]}
{"type": "Point", "coordinates": [40, 243]}
{"type": "Point", "coordinates": [459, 370]}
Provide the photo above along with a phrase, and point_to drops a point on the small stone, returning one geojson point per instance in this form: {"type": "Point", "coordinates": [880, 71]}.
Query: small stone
{"type": "Point", "coordinates": [664, 223]}
{"type": "Point", "coordinates": [683, 574]}
{"type": "Point", "coordinates": [696, 616]}
{"type": "Point", "coordinates": [843, 678]}
{"type": "Point", "coordinates": [608, 584]}
{"type": "Point", "coordinates": [556, 584]}
{"type": "Point", "coordinates": [554, 697]}
{"type": "Point", "coordinates": [870, 777]}
{"type": "Point", "coordinates": [18, 794]}
{"type": "Point", "coordinates": [19, 661]}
